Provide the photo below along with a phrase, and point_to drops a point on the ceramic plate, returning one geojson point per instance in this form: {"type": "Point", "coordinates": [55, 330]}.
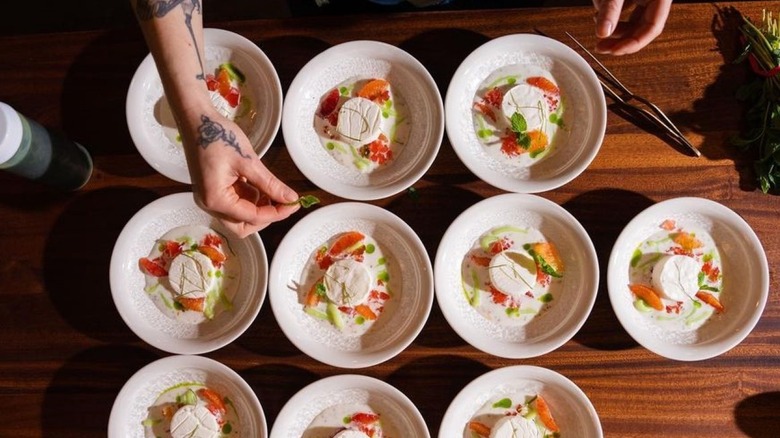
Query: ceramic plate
{"type": "Point", "coordinates": [410, 285]}
{"type": "Point", "coordinates": [743, 269]}
{"type": "Point", "coordinates": [584, 112]}
{"type": "Point", "coordinates": [140, 392]}
{"type": "Point", "coordinates": [151, 122]}
{"type": "Point", "coordinates": [396, 411]}
{"type": "Point", "coordinates": [138, 311]}
{"type": "Point", "coordinates": [362, 60]}
{"type": "Point", "coordinates": [570, 407]}
{"type": "Point", "coordinates": [572, 295]}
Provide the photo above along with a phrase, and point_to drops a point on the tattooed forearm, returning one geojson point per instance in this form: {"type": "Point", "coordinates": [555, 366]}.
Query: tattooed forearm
{"type": "Point", "coordinates": [148, 9]}
{"type": "Point", "coordinates": [210, 132]}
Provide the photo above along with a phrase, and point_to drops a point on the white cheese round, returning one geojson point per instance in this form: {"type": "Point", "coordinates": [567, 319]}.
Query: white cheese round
{"type": "Point", "coordinates": [528, 101]}
{"type": "Point", "coordinates": [512, 273]}
{"type": "Point", "coordinates": [347, 282]}
{"type": "Point", "coordinates": [222, 106]}
{"type": "Point", "coordinates": [359, 121]}
{"type": "Point", "coordinates": [194, 421]}
{"type": "Point", "coordinates": [189, 274]}
{"type": "Point", "coordinates": [350, 434]}
{"type": "Point", "coordinates": [676, 277]}
{"type": "Point", "coordinates": [515, 426]}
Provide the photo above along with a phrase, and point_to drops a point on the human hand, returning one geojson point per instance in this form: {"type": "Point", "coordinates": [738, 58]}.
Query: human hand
{"type": "Point", "coordinates": [643, 25]}
{"type": "Point", "coordinates": [229, 180]}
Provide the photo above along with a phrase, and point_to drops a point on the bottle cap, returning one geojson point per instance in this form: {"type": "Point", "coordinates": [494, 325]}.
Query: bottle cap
{"type": "Point", "coordinates": [10, 132]}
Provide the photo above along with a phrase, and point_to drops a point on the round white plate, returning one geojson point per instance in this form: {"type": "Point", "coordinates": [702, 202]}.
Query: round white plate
{"type": "Point", "coordinates": [392, 405]}
{"type": "Point", "coordinates": [398, 325]}
{"type": "Point", "coordinates": [149, 116]}
{"type": "Point", "coordinates": [585, 103]}
{"type": "Point", "coordinates": [138, 311]}
{"type": "Point", "coordinates": [139, 393]}
{"type": "Point", "coordinates": [363, 60]}
{"type": "Point", "coordinates": [745, 279]}
{"type": "Point", "coordinates": [571, 408]}
{"type": "Point", "coordinates": [553, 327]}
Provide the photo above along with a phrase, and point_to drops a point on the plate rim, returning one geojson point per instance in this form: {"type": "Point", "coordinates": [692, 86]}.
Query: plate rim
{"type": "Point", "coordinates": [147, 70]}
{"type": "Point", "coordinates": [130, 316]}
{"type": "Point", "coordinates": [687, 204]}
{"type": "Point", "coordinates": [341, 209]}
{"type": "Point", "coordinates": [344, 381]}
{"type": "Point", "coordinates": [507, 183]}
{"type": "Point", "coordinates": [298, 154]}
{"type": "Point", "coordinates": [446, 304]}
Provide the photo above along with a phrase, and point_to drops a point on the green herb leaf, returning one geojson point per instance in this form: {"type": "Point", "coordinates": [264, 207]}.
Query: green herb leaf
{"type": "Point", "coordinates": [504, 403]}
{"type": "Point", "coordinates": [519, 125]}
{"type": "Point", "coordinates": [305, 201]}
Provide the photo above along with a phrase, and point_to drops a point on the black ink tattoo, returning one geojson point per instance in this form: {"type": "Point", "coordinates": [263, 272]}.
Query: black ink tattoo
{"type": "Point", "coordinates": [148, 9]}
{"type": "Point", "coordinates": [210, 132]}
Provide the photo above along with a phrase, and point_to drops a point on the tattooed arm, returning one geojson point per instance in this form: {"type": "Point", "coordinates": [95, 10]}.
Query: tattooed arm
{"type": "Point", "coordinates": [228, 179]}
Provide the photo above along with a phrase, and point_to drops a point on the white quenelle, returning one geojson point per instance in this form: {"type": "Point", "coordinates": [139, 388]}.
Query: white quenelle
{"type": "Point", "coordinates": [528, 101]}
{"type": "Point", "coordinates": [676, 277]}
{"type": "Point", "coordinates": [194, 421]}
{"type": "Point", "coordinates": [351, 434]}
{"type": "Point", "coordinates": [347, 282]}
{"type": "Point", "coordinates": [189, 274]}
{"type": "Point", "coordinates": [515, 426]}
{"type": "Point", "coordinates": [512, 273]}
{"type": "Point", "coordinates": [359, 121]}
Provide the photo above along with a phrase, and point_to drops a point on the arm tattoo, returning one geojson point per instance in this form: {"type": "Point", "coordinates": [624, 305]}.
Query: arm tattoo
{"type": "Point", "coordinates": [148, 9]}
{"type": "Point", "coordinates": [210, 132]}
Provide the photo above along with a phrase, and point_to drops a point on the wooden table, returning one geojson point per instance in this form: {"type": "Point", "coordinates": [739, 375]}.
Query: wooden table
{"type": "Point", "coordinates": [65, 353]}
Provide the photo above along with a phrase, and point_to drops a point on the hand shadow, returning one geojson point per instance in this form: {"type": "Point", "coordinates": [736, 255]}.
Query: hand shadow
{"type": "Point", "coordinates": [708, 117]}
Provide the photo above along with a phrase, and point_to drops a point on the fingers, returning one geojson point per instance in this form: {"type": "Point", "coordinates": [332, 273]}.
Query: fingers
{"type": "Point", "coordinates": [643, 26]}
{"type": "Point", "coordinates": [259, 176]}
{"type": "Point", "coordinates": [607, 17]}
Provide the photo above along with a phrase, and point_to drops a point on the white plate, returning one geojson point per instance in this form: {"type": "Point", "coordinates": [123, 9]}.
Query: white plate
{"type": "Point", "coordinates": [586, 109]}
{"type": "Point", "coordinates": [744, 268]}
{"type": "Point", "coordinates": [571, 408]}
{"type": "Point", "coordinates": [139, 312]}
{"type": "Point", "coordinates": [143, 388]}
{"type": "Point", "coordinates": [149, 117]}
{"type": "Point", "coordinates": [552, 328]}
{"type": "Point", "coordinates": [363, 60]}
{"type": "Point", "coordinates": [412, 298]}
{"type": "Point", "coordinates": [393, 406]}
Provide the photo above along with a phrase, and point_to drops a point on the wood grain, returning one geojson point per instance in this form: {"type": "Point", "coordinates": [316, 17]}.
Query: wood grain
{"type": "Point", "coordinates": [65, 352]}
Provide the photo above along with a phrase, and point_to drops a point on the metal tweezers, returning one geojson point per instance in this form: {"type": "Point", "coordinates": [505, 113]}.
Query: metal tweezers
{"type": "Point", "coordinates": [654, 115]}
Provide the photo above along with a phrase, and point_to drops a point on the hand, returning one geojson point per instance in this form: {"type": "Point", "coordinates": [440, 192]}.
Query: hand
{"type": "Point", "coordinates": [229, 180]}
{"type": "Point", "coordinates": [644, 24]}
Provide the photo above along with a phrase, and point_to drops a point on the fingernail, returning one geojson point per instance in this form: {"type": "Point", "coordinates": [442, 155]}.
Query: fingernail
{"type": "Point", "coordinates": [290, 195]}
{"type": "Point", "coordinates": [605, 29]}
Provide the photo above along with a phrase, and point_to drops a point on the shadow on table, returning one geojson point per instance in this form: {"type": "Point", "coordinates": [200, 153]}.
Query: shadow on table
{"type": "Point", "coordinates": [79, 399]}
{"type": "Point", "coordinates": [757, 415]}
{"type": "Point", "coordinates": [94, 95]}
{"type": "Point", "coordinates": [430, 380]}
{"type": "Point", "coordinates": [708, 117]}
{"type": "Point", "coordinates": [427, 46]}
{"type": "Point", "coordinates": [289, 54]}
{"type": "Point", "coordinates": [77, 257]}
{"type": "Point", "coordinates": [275, 384]}
{"type": "Point", "coordinates": [604, 213]}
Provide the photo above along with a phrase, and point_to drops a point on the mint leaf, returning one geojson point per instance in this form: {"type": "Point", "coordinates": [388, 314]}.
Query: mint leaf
{"type": "Point", "coordinates": [305, 201]}
{"type": "Point", "coordinates": [519, 125]}
{"type": "Point", "coordinates": [524, 140]}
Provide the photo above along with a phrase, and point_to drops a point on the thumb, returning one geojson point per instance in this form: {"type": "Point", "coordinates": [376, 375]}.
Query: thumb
{"type": "Point", "coordinates": [259, 176]}
{"type": "Point", "coordinates": [607, 16]}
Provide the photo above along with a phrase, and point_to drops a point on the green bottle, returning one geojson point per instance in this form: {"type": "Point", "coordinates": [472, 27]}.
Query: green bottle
{"type": "Point", "coordinates": [29, 150]}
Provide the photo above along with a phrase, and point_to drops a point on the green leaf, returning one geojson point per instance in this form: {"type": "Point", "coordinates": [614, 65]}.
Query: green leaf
{"type": "Point", "coordinates": [519, 125]}
{"type": "Point", "coordinates": [524, 140]}
{"type": "Point", "coordinates": [305, 201]}
{"type": "Point", "coordinates": [504, 403]}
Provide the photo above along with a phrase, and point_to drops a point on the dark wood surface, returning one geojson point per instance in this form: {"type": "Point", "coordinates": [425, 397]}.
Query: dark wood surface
{"type": "Point", "coordinates": [65, 353]}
